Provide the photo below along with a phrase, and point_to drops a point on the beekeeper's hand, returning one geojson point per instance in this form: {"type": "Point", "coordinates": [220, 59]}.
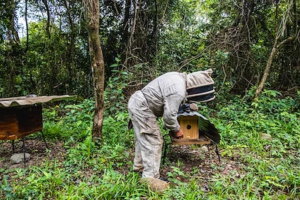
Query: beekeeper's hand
{"type": "Point", "coordinates": [179, 134]}
{"type": "Point", "coordinates": [193, 107]}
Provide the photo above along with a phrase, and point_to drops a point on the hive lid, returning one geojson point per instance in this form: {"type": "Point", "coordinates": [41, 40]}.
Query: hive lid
{"type": "Point", "coordinates": [31, 100]}
{"type": "Point", "coordinates": [191, 113]}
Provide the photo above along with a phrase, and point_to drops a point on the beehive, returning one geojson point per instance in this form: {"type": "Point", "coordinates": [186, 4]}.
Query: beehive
{"type": "Point", "coordinates": [189, 126]}
{"type": "Point", "coordinates": [17, 122]}
{"type": "Point", "coordinates": [21, 116]}
{"type": "Point", "coordinates": [191, 132]}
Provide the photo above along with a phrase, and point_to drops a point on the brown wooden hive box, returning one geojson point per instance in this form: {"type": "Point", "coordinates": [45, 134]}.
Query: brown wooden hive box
{"type": "Point", "coordinates": [21, 116]}
{"type": "Point", "coordinates": [191, 133]}
{"type": "Point", "coordinates": [16, 122]}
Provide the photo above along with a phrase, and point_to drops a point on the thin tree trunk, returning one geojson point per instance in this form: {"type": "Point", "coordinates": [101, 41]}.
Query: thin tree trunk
{"type": "Point", "coordinates": [48, 18]}
{"type": "Point", "coordinates": [155, 21]}
{"type": "Point", "coordinates": [92, 7]}
{"type": "Point", "coordinates": [295, 16]}
{"type": "Point", "coordinates": [273, 53]}
{"type": "Point", "coordinates": [26, 22]}
{"type": "Point", "coordinates": [162, 18]}
{"type": "Point", "coordinates": [269, 62]}
{"type": "Point", "coordinates": [126, 22]}
{"type": "Point", "coordinates": [13, 29]}
{"type": "Point", "coordinates": [71, 46]}
{"type": "Point", "coordinates": [267, 69]}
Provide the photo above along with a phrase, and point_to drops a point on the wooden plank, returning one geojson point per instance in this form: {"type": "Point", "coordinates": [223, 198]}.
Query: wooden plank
{"type": "Point", "coordinates": [201, 140]}
{"type": "Point", "coordinates": [190, 142]}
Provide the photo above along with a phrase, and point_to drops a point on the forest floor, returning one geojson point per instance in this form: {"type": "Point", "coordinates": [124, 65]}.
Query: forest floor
{"type": "Point", "coordinates": [252, 165]}
{"type": "Point", "coordinates": [183, 164]}
{"type": "Point", "coordinates": [191, 159]}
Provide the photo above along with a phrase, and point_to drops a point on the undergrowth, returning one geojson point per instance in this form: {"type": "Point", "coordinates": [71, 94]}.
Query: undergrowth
{"type": "Point", "coordinates": [265, 168]}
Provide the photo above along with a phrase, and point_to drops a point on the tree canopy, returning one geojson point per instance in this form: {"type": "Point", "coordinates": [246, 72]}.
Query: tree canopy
{"type": "Point", "coordinates": [146, 38]}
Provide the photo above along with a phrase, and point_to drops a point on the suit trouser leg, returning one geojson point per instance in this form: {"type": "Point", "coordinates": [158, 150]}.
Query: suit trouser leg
{"type": "Point", "coordinates": [137, 163]}
{"type": "Point", "coordinates": [148, 146]}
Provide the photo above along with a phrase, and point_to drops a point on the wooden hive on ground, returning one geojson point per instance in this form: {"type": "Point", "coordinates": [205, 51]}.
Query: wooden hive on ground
{"type": "Point", "coordinates": [196, 130]}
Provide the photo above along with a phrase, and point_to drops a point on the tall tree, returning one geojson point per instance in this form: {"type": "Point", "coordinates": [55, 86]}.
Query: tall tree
{"type": "Point", "coordinates": [279, 32]}
{"type": "Point", "coordinates": [92, 14]}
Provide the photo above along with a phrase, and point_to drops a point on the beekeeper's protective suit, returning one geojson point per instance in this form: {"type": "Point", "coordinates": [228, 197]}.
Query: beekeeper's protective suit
{"type": "Point", "coordinates": [160, 98]}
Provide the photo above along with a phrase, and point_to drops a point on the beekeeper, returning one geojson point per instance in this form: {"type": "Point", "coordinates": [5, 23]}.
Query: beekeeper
{"type": "Point", "coordinates": [162, 98]}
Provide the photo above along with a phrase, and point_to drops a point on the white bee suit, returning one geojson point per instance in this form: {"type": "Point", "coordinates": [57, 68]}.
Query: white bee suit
{"type": "Point", "coordinates": [160, 98]}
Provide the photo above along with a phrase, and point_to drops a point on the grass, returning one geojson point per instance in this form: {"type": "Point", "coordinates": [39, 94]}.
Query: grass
{"type": "Point", "coordinates": [251, 167]}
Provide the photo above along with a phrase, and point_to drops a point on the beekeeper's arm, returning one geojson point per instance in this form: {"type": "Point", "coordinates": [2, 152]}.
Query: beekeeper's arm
{"type": "Point", "coordinates": [172, 100]}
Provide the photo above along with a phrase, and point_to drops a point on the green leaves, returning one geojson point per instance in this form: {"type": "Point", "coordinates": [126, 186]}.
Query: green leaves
{"type": "Point", "coordinates": [250, 167]}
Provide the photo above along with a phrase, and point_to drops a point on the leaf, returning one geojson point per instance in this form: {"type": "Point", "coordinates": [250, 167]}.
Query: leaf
{"type": "Point", "coordinates": [276, 184]}
{"type": "Point", "coordinates": [114, 65]}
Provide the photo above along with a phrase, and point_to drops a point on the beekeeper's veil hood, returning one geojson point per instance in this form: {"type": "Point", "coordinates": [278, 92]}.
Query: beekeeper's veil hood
{"type": "Point", "coordinates": [200, 86]}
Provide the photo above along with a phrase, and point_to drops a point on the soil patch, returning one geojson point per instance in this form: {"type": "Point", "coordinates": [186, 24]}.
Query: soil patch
{"type": "Point", "coordinates": [37, 150]}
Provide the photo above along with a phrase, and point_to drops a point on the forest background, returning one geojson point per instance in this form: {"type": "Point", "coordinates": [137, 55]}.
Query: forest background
{"type": "Point", "coordinates": [250, 45]}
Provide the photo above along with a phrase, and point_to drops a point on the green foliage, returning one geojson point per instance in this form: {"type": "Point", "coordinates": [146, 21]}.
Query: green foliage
{"type": "Point", "coordinates": [69, 122]}
{"type": "Point", "coordinates": [264, 168]}
{"type": "Point", "coordinates": [5, 190]}
{"type": "Point", "coordinates": [234, 38]}
{"type": "Point", "coordinates": [267, 115]}
{"type": "Point", "coordinates": [114, 92]}
{"type": "Point", "coordinates": [43, 68]}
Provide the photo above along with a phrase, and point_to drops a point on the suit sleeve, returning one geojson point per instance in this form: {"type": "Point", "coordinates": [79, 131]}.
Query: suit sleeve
{"type": "Point", "coordinates": [172, 101]}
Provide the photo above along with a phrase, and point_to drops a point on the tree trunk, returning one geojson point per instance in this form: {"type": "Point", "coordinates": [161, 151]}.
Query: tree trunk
{"type": "Point", "coordinates": [13, 29]}
{"type": "Point", "coordinates": [48, 18]}
{"type": "Point", "coordinates": [272, 54]}
{"type": "Point", "coordinates": [71, 46]}
{"type": "Point", "coordinates": [92, 11]}
{"type": "Point", "coordinates": [126, 24]}
{"type": "Point", "coordinates": [269, 62]}
{"type": "Point", "coordinates": [27, 28]}
{"type": "Point", "coordinates": [267, 69]}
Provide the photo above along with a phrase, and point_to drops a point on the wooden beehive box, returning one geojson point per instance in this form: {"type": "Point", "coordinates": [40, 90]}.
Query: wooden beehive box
{"type": "Point", "coordinates": [21, 116]}
{"type": "Point", "coordinates": [191, 132]}
{"type": "Point", "coordinates": [189, 126]}
{"type": "Point", "coordinates": [16, 122]}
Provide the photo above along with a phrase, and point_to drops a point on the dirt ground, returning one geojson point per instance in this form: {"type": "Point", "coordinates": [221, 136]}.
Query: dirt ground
{"type": "Point", "coordinates": [37, 150]}
{"type": "Point", "coordinates": [192, 160]}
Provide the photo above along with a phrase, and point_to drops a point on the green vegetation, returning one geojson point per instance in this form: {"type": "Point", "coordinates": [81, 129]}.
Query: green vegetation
{"type": "Point", "coordinates": [250, 168]}
{"type": "Point", "coordinates": [45, 50]}
{"type": "Point", "coordinates": [233, 37]}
